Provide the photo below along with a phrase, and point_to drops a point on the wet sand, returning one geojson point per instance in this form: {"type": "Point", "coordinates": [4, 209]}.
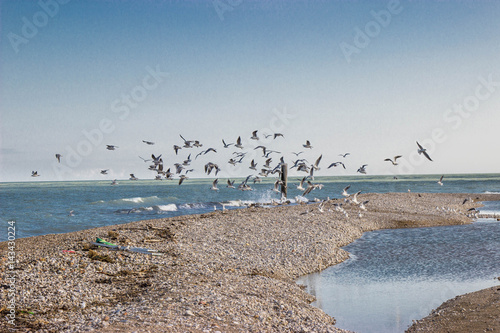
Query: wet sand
{"type": "Point", "coordinates": [230, 271]}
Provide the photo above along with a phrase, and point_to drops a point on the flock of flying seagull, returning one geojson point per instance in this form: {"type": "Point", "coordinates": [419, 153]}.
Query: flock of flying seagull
{"type": "Point", "coordinates": [181, 169]}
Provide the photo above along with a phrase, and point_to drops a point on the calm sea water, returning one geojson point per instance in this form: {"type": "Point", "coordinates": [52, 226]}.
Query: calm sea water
{"type": "Point", "coordinates": [44, 207]}
{"type": "Point", "coordinates": [396, 276]}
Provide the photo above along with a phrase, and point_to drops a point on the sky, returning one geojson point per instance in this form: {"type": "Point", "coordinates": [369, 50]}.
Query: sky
{"type": "Point", "coordinates": [366, 77]}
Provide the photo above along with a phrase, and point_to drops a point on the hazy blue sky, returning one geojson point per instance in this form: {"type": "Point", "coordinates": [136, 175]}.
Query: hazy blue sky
{"type": "Point", "coordinates": [365, 77]}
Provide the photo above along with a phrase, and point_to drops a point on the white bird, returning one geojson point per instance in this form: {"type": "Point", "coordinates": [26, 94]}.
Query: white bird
{"type": "Point", "coordinates": [362, 205]}
{"type": "Point", "coordinates": [393, 161]}
{"type": "Point", "coordinates": [355, 198]}
{"type": "Point", "coordinates": [278, 135]}
{"type": "Point", "coordinates": [277, 183]}
{"type": "Point", "coordinates": [316, 164]}
{"type": "Point", "coordinates": [344, 191]}
{"type": "Point", "coordinates": [230, 183]}
{"type": "Point", "coordinates": [253, 165]}
{"type": "Point", "coordinates": [145, 160]}
{"type": "Point", "coordinates": [114, 182]}
{"type": "Point", "coordinates": [335, 164]}
{"type": "Point", "coordinates": [345, 155]}
{"type": "Point", "coordinates": [362, 169]}
{"type": "Point", "coordinates": [34, 174]}
{"type": "Point", "coordinates": [238, 143]}
{"type": "Point", "coordinates": [422, 150]}
{"type": "Point", "coordinates": [187, 143]}
{"type": "Point", "coordinates": [440, 181]}
{"type": "Point", "coordinates": [182, 178]}
{"type": "Point", "coordinates": [133, 177]}
{"type": "Point", "coordinates": [301, 185]}
{"type": "Point", "coordinates": [214, 185]}
{"type": "Point", "coordinates": [226, 145]}
{"type": "Point", "coordinates": [254, 136]}
{"type": "Point", "coordinates": [307, 144]}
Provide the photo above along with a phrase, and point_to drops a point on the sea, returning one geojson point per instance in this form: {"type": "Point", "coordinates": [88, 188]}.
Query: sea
{"type": "Point", "coordinates": [40, 207]}
{"type": "Point", "coordinates": [391, 278]}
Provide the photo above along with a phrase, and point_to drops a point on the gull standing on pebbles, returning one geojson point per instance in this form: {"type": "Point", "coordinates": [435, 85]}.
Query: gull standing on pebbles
{"type": "Point", "coordinates": [422, 150]}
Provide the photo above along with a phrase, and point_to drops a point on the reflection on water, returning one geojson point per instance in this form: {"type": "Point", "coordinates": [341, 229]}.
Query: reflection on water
{"type": "Point", "coordinates": [396, 276]}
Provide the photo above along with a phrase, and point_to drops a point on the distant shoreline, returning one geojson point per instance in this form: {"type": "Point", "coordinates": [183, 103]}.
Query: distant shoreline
{"type": "Point", "coordinates": [353, 175]}
{"type": "Point", "coordinates": [227, 271]}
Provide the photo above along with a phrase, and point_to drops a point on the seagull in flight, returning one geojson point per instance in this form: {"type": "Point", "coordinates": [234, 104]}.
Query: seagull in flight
{"type": "Point", "coordinates": [230, 183]}
{"type": "Point", "coordinates": [111, 147]}
{"type": "Point", "coordinates": [440, 181]}
{"type": "Point", "coordinates": [226, 145]}
{"type": "Point", "coordinates": [133, 177]}
{"type": "Point", "coordinates": [104, 172]}
{"type": "Point", "coordinates": [181, 179]}
{"type": "Point", "coordinates": [253, 165]}
{"type": "Point", "coordinates": [422, 150]}
{"type": "Point", "coordinates": [254, 136]}
{"type": "Point", "coordinates": [214, 185]}
{"type": "Point", "coordinates": [362, 169]}
{"type": "Point", "coordinates": [316, 164]}
{"type": "Point", "coordinates": [145, 160]}
{"type": "Point", "coordinates": [58, 156]}
{"type": "Point", "coordinates": [297, 154]}
{"type": "Point", "coordinates": [238, 143]}
{"type": "Point", "coordinates": [34, 174]}
{"type": "Point", "coordinates": [345, 155]}
{"type": "Point", "coordinates": [148, 142]}
{"type": "Point", "coordinates": [301, 185]}
{"type": "Point", "coordinates": [344, 191]}
{"type": "Point", "coordinates": [278, 135]}
{"type": "Point", "coordinates": [335, 164]}
{"type": "Point", "coordinates": [393, 161]}
{"type": "Point", "coordinates": [307, 145]}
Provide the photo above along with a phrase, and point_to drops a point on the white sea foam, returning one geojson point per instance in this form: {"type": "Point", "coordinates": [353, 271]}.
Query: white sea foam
{"type": "Point", "coordinates": [166, 208]}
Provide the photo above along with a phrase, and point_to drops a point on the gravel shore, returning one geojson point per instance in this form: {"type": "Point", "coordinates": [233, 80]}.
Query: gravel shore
{"type": "Point", "coordinates": [230, 271]}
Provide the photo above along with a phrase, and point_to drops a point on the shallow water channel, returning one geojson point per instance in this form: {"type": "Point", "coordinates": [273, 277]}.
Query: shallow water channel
{"type": "Point", "coordinates": [399, 275]}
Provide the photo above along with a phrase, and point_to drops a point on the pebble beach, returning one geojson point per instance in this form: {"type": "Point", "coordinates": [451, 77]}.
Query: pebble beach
{"type": "Point", "coordinates": [226, 271]}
